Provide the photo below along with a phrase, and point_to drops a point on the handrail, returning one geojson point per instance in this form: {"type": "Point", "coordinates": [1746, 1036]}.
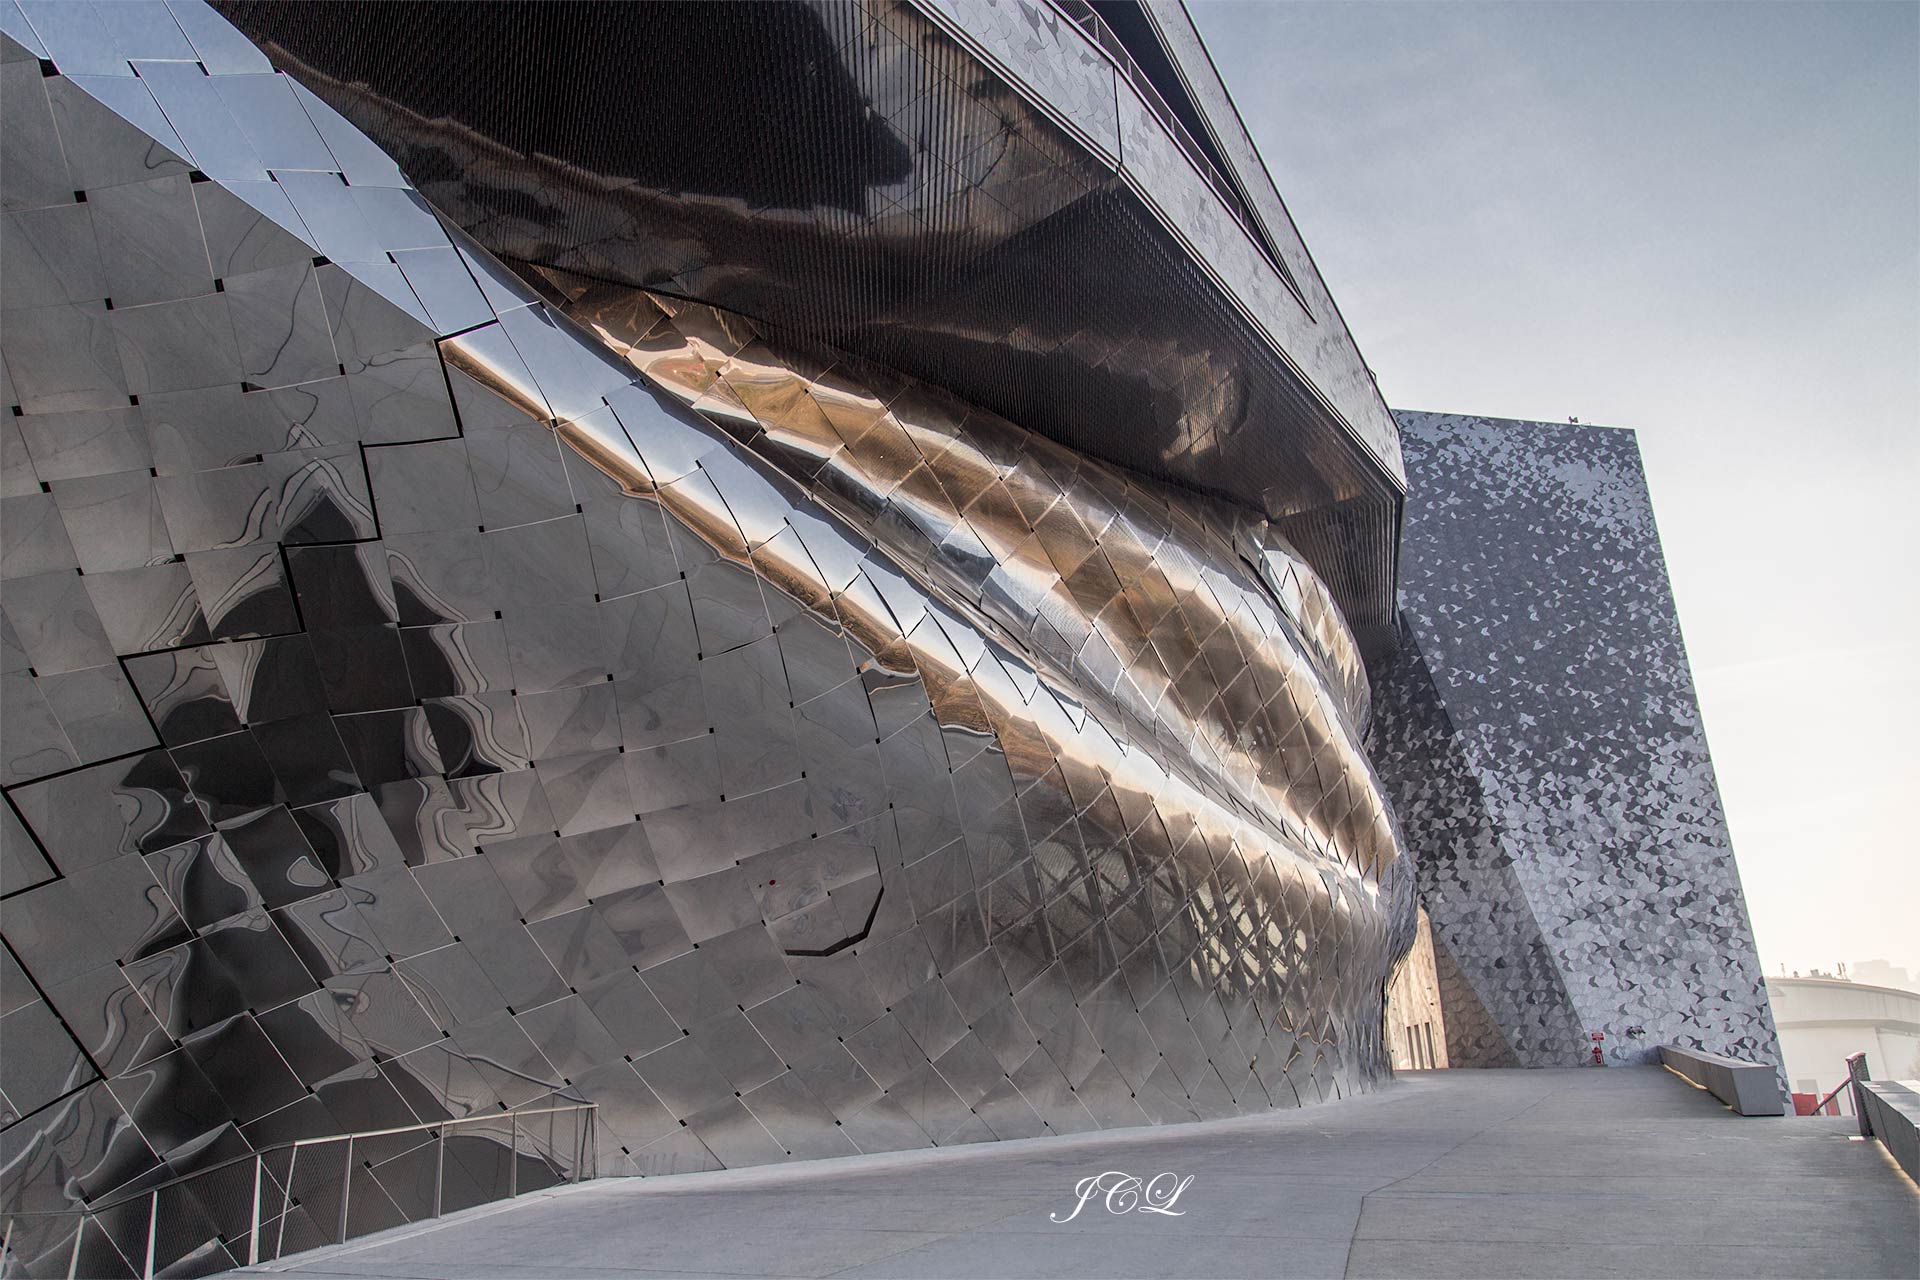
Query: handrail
{"type": "Point", "coordinates": [1089, 20]}
{"type": "Point", "coordinates": [572, 1169]}
{"type": "Point", "coordinates": [263, 1152]}
{"type": "Point", "coordinates": [1084, 16]}
{"type": "Point", "coordinates": [1856, 1075]}
{"type": "Point", "coordinates": [1838, 1089]}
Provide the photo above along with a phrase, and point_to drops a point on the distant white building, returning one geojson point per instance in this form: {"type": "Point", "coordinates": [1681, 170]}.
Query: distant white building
{"type": "Point", "coordinates": [1879, 973]}
{"type": "Point", "coordinates": [1824, 1019]}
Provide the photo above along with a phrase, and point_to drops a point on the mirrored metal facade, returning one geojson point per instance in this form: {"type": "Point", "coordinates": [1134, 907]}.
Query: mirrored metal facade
{"type": "Point", "coordinates": [433, 691]}
{"type": "Point", "coordinates": [946, 187]}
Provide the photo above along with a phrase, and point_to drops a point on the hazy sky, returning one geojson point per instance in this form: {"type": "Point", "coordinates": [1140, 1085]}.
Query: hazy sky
{"type": "Point", "coordinates": [1701, 221]}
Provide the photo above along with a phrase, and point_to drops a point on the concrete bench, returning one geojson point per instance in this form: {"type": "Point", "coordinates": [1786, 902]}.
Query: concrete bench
{"type": "Point", "coordinates": [1750, 1088]}
{"type": "Point", "coordinates": [1892, 1110]}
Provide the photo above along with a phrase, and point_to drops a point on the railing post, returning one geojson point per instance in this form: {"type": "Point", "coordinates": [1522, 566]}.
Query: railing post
{"type": "Point", "coordinates": [585, 1149]}
{"type": "Point", "coordinates": [346, 1188]}
{"type": "Point", "coordinates": [153, 1220]}
{"type": "Point", "coordinates": [1856, 1073]}
{"type": "Point", "coordinates": [286, 1206]}
{"type": "Point", "coordinates": [253, 1235]}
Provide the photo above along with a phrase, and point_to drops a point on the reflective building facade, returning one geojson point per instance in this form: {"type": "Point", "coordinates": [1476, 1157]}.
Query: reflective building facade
{"type": "Point", "coordinates": [1057, 217]}
{"type": "Point", "coordinates": [840, 606]}
{"type": "Point", "coordinates": [437, 687]}
{"type": "Point", "coordinates": [1540, 737]}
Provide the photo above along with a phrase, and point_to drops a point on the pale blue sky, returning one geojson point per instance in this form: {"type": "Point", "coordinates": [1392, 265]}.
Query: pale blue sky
{"type": "Point", "coordinates": [1701, 221]}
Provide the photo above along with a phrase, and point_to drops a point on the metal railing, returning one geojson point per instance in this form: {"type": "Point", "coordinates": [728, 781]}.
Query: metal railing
{"type": "Point", "coordinates": [1850, 1088]}
{"type": "Point", "coordinates": [1843, 1090]}
{"type": "Point", "coordinates": [296, 1196]}
{"type": "Point", "coordinates": [1083, 16]}
{"type": "Point", "coordinates": [1845, 1098]}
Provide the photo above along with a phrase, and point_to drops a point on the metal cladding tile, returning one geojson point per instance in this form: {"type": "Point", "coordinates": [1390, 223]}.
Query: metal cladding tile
{"type": "Point", "coordinates": [913, 753]}
{"type": "Point", "coordinates": [900, 205]}
{"type": "Point", "coordinates": [1549, 824]}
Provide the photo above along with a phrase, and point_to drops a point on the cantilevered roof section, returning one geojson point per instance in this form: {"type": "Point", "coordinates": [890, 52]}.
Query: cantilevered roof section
{"type": "Point", "coordinates": [992, 197]}
{"type": "Point", "coordinates": [1172, 130]}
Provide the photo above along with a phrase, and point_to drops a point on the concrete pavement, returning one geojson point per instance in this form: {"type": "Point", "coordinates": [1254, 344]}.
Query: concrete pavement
{"type": "Point", "coordinates": [1615, 1172]}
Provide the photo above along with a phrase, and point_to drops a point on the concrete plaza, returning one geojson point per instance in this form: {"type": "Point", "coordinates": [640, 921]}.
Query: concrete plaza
{"type": "Point", "coordinates": [1616, 1172]}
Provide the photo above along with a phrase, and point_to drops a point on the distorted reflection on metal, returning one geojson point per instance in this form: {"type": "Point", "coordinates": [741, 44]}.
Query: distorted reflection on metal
{"type": "Point", "coordinates": [1107, 580]}
{"type": "Point", "coordinates": [429, 697]}
{"type": "Point", "coordinates": [967, 191]}
{"type": "Point", "coordinates": [266, 1204]}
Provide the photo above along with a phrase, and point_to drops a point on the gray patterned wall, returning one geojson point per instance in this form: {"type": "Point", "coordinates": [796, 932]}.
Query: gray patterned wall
{"type": "Point", "coordinates": [1540, 738]}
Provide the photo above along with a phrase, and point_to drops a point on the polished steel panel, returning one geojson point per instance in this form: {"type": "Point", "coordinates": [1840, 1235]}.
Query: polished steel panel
{"type": "Point", "coordinates": [585, 691]}
{"type": "Point", "coordinates": [1166, 315]}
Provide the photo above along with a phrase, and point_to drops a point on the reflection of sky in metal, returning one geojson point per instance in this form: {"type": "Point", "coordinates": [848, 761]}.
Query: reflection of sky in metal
{"type": "Point", "coordinates": [403, 726]}
{"type": "Point", "coordinates": [1029, 532]}
{"type": "Point", "coordinates": [924, 202]}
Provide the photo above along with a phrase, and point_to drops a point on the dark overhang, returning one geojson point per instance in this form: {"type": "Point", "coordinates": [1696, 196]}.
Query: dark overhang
{"type": "Point", "coordinates": [1002, 199]}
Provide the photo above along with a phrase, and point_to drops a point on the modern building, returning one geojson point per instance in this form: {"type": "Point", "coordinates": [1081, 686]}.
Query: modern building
{"type": "Point", "coordinates": [850, 631]}
{"type": "Point", "coordinates": [1879, 973]}
{"type": "Point", "coordinates": [1826, 1019]}
{"type": "Point", "coordinates": [1540, 737]}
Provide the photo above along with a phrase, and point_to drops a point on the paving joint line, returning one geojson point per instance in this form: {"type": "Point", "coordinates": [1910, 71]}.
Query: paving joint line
{"type": "Point", "coordinates": [1360, 1217]}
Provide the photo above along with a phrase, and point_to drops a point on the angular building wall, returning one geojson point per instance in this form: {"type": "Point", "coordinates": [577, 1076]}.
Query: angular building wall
{"type": "Point", "coordinates": [428, 697]}
{"type": "Point", "coordinates": [1540, 738]}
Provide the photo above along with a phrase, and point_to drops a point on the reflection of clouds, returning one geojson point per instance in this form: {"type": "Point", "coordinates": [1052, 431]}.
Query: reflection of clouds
{"type": "Point", "coordinates": [950, 489]}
